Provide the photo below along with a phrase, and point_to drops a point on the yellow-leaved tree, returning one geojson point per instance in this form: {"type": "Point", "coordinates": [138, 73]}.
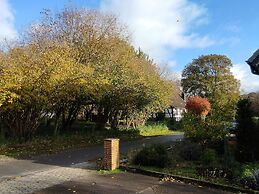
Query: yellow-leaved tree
{"type": "Point", "coordinates": [78, 61]}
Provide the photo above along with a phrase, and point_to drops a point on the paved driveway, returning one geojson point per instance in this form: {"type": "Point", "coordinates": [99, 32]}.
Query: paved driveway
{"type": "Point", "coordinates": [63, 173]}
{"type": "Point", "coordinates": [124, 183]}
{"type": "Point", "coordinates": [27, 176]}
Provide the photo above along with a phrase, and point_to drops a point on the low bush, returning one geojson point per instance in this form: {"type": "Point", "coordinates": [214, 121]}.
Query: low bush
{"type": "Point", "coordinates": [247, 133]}
{"type": "Point", "coordinates": [252, 180]}
{"type": "Point", "coordinates": [174, 125]}
{"type": "Point", "coordinates": [155, 155]}
{"type": "Point", "coordinates": [250, 176]}
{"type": "Point", "coordinates": [209, 133]}
{"type": "Point", "coordinates": [209, 158]}
{"type": "Point", "coordinates": [190, 151]}
{"type": "Point", "coordinates": [233, 167]}
{"type": "Point", "coordinates": [192, 160]}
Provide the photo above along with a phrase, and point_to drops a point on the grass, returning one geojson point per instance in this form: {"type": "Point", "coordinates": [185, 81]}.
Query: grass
{"type": "Point", "coordinates": [156, 129]}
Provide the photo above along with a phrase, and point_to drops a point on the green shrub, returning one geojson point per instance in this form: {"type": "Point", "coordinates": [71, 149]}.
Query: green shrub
{"type": "Point", "coordinates": [251, 180]}
{"type": "Point", "coordinates": [160, 116]}
{"type": "Point", "coordinates": [174, 125]}
{"type": "Point", "coordinates": [232, 167]}
{"type": "Point", "coordinates": [208, 132]}
{"type": "Point", "coordinates": [209, 158]}
{"type": "Point", "coordinates": [250, 175]}
{"type": "Point", "coordinates": [190, 151]}
{"type": "Point", "coordinates": [247, 133]}
{"type": "Point", "coordinates": [155, 155]}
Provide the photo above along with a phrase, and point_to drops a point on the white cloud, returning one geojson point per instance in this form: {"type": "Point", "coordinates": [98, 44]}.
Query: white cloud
{"type": "Point", "coordinates": [233, 28]}
{"type": "Point", "coordinates": [249, 81]}
{"type": "Point", "coordinates": [7, 29]}
{"type": "Point", "coordinates": [232, 40]}
{"type": "Point", "coordinates": [171, 64]}
{"type": "Point", "coordinates": [159, 26]}
{"type": "Point", "coordinates": [176, 76]}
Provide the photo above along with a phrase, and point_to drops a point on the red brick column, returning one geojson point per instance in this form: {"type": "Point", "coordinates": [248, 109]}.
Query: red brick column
{"type": "Point", "coordinates": [111, 154]}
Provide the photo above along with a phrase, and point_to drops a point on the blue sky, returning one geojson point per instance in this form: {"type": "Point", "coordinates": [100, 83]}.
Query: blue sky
{"type": "Point", "coordinates": [173, 32]}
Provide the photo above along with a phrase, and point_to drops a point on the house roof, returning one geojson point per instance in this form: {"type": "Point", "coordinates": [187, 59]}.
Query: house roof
{"type": "Point", "coordinates": [253, 57]}
{"type": "Point", "coordinates": [177, 102]}
{"type": "Point", "coordinates": [176, 99]}
{"type": "Point", "coordinates": [253, 62]}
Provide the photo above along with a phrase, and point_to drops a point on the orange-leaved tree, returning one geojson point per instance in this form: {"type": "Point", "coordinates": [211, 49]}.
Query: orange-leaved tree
{"type": "Point", "coordinates": [198, 106]}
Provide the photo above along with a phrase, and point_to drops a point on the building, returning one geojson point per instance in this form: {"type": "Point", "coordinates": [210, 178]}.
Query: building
{"type": "Point", "coordinates": [253, 62]}
{"type": "Point", "coordinates": [177, 107]}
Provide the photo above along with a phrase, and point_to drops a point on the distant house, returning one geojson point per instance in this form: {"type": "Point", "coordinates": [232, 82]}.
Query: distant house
{"type": "Point", "coordinates": [177, 107]}
{"type": "Point", "coordinates": [253, 62]}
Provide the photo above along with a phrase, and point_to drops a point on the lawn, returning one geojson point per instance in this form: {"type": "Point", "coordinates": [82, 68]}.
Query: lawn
{"type": "Point", "coordinates": [156, 129]}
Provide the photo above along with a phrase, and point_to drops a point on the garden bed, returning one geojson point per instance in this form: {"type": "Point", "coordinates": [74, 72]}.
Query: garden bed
{"type": "Point", "coordinates": [189, 161]}
{"type": "Point", "coordinates": [173, 178]}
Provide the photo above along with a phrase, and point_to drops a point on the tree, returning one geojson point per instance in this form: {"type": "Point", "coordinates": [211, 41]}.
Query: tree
{"type": "Point", "coordinates": [210, 76]}
{"type": "Point", "coordinates": [37, 79]}
{"type": "Point", "coordinates": [253, 98]}
{"type": "Point", "coordinates": [100, 41]}
{"type": "Point", "coordinates": [206, 132]}
{"type": "Point", "coordinates": [74, 61]}
{"type": "Point", "coordinates": [198, 105]}
{"type": "Point", "coordinates": [247, 132]}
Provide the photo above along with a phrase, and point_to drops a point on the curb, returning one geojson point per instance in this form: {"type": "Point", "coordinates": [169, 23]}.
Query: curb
{"type": "Point", "coordinates": [189, 180]}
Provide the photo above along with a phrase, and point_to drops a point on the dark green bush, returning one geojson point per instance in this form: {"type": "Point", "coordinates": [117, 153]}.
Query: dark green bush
{"type": "Point", "coordinates": [250, 175]}
{"type": "Point", "coordinates": [252, 180]}
{"type": "Point", "coordinates": [155, 155]}
{"type": "Point", "coordinates": [190, 151]}
{"type": "Point", "coordinates": [209, 158]}
{"type": "Point", "coordinates": [174, 125]}
{"type": "Point", "coordinates": [247, 133]}
{"type": "Point", "coordinates": [232, 167]}
{"type": "Point", "coordinates": [208, 132]}
{"type": "Point", "coordinates": [160, 116]}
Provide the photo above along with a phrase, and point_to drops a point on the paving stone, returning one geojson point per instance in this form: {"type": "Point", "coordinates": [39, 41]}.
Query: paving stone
{"type": "Point", "coordinates": [35, 181]}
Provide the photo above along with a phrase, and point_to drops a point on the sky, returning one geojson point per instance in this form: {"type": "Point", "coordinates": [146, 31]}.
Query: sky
{"type": "Point", "coordinates": [173, 32]}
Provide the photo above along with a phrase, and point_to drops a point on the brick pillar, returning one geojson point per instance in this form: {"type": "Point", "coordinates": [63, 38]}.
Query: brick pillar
{"type": "Point", "coordinates": [111, 154]}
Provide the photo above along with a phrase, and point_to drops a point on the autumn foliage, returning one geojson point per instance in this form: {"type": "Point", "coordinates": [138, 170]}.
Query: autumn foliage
{"type": "Point", "coordinates": [77, 63]}
{"type": "Point", "coordinates": [198, 105]}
